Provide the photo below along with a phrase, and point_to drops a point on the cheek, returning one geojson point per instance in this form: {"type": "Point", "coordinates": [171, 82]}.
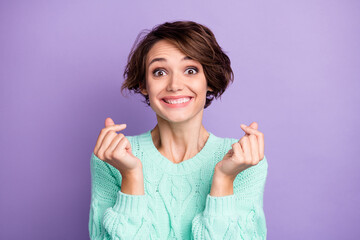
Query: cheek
{"type": "Point", "coordinates": [154, 89]}
{"type": "Point", "coordinates": [201, 87]}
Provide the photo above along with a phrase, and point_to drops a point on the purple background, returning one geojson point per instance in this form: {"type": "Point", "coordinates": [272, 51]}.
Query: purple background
{"type": "Point", "coordinates": [296, 66]}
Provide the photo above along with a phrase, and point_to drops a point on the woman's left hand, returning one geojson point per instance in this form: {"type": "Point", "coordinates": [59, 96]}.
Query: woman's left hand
{"type": "Point", "coordinates": [245, 153]}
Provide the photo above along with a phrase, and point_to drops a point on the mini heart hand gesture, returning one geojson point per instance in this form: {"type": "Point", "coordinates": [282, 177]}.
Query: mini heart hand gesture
{"type": "Point", "coordinates": [245, 153]}
{"type": "Point", "coordinates": [115, 149]}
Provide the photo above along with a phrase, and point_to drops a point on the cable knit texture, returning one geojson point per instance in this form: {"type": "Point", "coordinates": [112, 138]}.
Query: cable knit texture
{"type": "Point", "coordinates": [177, 202]}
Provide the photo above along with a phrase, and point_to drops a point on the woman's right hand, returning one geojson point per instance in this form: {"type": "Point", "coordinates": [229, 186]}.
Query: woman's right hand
{"type": "Point", "coordinates": [115, 149]}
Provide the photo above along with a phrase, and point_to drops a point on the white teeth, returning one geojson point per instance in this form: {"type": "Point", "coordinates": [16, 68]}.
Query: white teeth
{"type": "Point", "coordinates": [177, 101]}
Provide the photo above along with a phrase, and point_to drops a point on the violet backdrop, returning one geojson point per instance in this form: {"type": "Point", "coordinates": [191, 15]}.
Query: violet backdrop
{"type": "Point", "coordinates": [297, 69]}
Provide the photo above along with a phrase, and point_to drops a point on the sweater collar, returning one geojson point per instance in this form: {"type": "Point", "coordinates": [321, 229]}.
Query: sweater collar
{"type": "Point", "coordinates": [184, 167]}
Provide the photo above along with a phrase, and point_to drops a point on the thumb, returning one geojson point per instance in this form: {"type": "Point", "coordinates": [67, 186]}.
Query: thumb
{"type": "Point", "coordinates": [109, 122]}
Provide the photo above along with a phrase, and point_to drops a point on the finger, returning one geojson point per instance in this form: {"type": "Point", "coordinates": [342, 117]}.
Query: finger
{"type": "Point", "coordinates": [254, 148]}
{"type": "Point", "coordinates": [261, 146]}
{"type": "Point", "coordinates": [106, 140]}
{"type": "Point", "coordinates": [104, 131]}
{"type": "Point", "coordinates": [109, 122]}
{"type": "Point", "coordinates": [105, 144]}
{"type": "Point", "coordinates": [254, 125]}
{"type": "Point", "coordinates": [114, 143]}
{"type": "Point", "coordinates": [249, 130]}
{"type": "Point", "coordinates": [230, 152]}
{"type": "Point", "coordinates": [122, 146]}
{"type": "Point", "coordinates": [260, 137]}
{"type": "Point", "coordinates": [243, 127]}
{"type": "Point", "coordinates": [245, 145]}
{"type": "Point", "coordinates": [236, 147]}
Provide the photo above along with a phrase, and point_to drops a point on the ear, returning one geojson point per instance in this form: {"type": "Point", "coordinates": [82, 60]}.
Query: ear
{"type": "Point", "coordinates": [143, 90]}
{"type": "Point", "coordinates": [209, 89]}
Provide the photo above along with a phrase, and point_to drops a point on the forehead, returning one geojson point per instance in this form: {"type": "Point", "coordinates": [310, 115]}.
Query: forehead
{"type": "Point", "coordinates": [163, 48]}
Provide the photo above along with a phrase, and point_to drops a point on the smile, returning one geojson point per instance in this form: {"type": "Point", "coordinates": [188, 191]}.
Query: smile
{"type": "Point", "coordinates": [176, 103]}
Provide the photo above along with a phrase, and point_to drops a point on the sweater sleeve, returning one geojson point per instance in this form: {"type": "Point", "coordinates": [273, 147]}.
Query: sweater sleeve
{"type": "Point", "coordinates": [114, 214]}
{"type": "Point", "coordinates": [237, 216]}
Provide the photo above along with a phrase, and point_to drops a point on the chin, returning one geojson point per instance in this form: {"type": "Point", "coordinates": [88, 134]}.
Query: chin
{"type": "Point", "coordinates": [174, 119]}
{"type": "Point", "coordinates": [179, 117]}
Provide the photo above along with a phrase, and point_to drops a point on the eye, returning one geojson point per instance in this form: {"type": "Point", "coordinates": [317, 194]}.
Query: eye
{"type": "Point", "coordinates": [191, 70]}
{"type": "Point", "coordinates": [159, 72]}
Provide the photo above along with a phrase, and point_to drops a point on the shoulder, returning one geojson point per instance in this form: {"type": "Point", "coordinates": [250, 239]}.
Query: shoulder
{"type": "Point", "coordinates": [224, 143]}
{"type": "Point", "coordinates": [137, 137]}
{"type": "Point", "coordinates": [138, 141]}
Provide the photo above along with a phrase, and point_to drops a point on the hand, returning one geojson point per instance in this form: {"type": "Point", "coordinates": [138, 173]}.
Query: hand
{"type": "Point", "coordinates": [245, 153]}
{"type": "Point", "coordinates": [115, 149]}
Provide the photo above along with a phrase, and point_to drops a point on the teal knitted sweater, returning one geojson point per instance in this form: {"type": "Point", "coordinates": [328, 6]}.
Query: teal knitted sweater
{"type": "Point", "coordinates": [177, 202]}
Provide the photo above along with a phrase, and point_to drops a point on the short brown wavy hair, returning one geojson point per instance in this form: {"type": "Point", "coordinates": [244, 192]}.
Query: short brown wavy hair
{"type": "Point", "coordinates": [196, 41]}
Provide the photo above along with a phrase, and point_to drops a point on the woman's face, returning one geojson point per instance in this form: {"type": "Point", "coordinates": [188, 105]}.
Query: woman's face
{"type": "Point", "coordinates": [176, 85]}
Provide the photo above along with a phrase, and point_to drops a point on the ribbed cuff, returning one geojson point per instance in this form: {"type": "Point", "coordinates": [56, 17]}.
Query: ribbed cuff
{"type": "Point", "coordinates": [220, 206]}
{"type": "Point", "coordinates": [131, 205]}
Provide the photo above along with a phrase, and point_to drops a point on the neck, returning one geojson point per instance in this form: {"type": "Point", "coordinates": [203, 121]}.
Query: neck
{"type": "Point", "coordinates": [179, 141]}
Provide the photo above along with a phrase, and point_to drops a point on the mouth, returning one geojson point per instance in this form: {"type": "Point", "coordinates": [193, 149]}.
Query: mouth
{"type": "Point", "coordinates": [177, 102]}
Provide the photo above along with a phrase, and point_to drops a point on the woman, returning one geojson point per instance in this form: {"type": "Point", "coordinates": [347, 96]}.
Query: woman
{"type": "Point", "coordinates": [177, 181]}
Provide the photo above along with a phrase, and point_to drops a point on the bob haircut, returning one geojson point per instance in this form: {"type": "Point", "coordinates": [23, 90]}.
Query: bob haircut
{"type": "Point", "coordinates": [194, 40]}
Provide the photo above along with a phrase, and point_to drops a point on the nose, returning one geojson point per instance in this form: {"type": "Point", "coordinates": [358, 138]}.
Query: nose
{"type": "Point", "coordinates": [175, 83]}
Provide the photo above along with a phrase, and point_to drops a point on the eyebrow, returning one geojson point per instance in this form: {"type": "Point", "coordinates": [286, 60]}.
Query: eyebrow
{"type": "Point", "coordinates": [164, 60]}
